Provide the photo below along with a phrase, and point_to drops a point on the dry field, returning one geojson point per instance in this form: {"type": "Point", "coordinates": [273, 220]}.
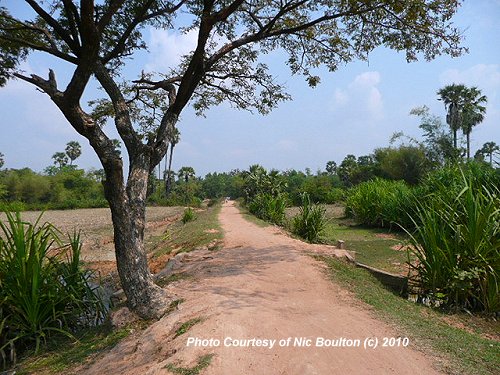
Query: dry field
{"type": "Point", "coordinates": [96, 227]}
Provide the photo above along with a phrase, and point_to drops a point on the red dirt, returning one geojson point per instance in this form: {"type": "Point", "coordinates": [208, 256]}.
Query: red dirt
{"type": "Point", "coordinates": [262, 285]}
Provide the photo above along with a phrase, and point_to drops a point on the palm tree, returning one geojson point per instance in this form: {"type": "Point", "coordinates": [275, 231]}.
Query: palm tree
{"type": "Point", "coordinates": [489, 149]}
{"type": "Point", "coordinates": [73, 150]}
{"type": "Point", "coordinates": [452, 97]}
{"type": "Point", "coordinates": [60, 158]}
{"type": "Point", "coordinates": [472, 112]}
{"type": "Point", "coordinates": [185, 173]}
{"type": "Point", "coordinates": [174, 137]}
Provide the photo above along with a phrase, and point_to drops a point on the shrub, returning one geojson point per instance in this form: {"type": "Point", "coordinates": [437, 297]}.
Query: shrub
{"type": "Point", "coordinates": [188, 215]}
{"type": "Point", "coordinates": [268, 207]}
{"type": "Point", "coordinates": [43, 290]}
{"type": "Point", "coordinates": [310, 221]}
{"type": "Point", "coordinates": [381, 203]}
{"type": "Point", "coordinates": [457, 244]}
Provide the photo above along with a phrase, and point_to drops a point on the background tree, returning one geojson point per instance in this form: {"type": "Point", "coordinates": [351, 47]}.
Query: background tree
{"type": "Point", "coordinates": [473, 112]}
{"type": "Point", "coordinates": [331, 167]}
{"type": "Point", "coordinates": [60, 159]}
{"type": "Point", "coordinates": [2, 160]}
{"type": "Point", "coordinates": [96, 37]}
{"type": "Point", "coordinates": [452, 97]}
{"type": "Point", "coordinates": [174, 138]}
{"type": "Point", "coordinates": [438, 141]}
{"type": "Point", "coordinates": [73, 150]}
{"type": "Point", "coordinates": [185, 174]}
{"type": "Point", "coordinates": [489, 149]}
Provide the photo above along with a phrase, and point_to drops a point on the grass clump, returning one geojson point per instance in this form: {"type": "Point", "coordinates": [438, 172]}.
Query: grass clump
{"type": "Point", "coordinates": [203, 362]}
{"type": "Point", "coordinates": [188, 215]}
{"type": "Point", "coordinates": [186, 326]}
{"type": "Point", "coordinates": [310, 221]}
{"type": "Point", "coordinates": [44, 292]}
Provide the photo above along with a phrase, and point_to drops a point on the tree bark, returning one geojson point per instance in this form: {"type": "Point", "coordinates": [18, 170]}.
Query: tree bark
{"type": "Point", "coordinates": [128, 214]}
{"type": "Point", "coordinates": [168, 185]}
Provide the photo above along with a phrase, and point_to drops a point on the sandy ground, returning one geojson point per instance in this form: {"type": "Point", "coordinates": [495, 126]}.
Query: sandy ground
{"type": "Point", "coordinates": [262, 285]}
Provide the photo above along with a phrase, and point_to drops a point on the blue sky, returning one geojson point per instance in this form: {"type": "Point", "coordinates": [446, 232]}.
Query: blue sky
{"type": "Point", "coordinates": [353, 110]}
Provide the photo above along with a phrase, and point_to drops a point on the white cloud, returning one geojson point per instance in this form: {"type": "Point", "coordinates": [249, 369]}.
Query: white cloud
{"type": "Point", "coordinates": [481, 75]}
{"type": "Point", "coordinates": [362, 97]}
{"type": "Point", "coordinates": [167, 48]}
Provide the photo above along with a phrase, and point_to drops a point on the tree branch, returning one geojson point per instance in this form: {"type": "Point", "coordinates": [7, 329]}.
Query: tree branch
{"type": "Point", "coordinates": [63, 34]}
{"type": "Point", "coordinates": [122, 117]}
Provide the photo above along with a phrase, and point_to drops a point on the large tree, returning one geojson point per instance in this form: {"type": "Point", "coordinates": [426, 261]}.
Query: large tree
{"type": "Point", "coordinates": [473, 112]}
{"type": "Point", "coordinates": [464, 109]}
{"type": "Point", "coordinates": [452, 97]}
{"type": "Point", "coordinates": [96, 38]}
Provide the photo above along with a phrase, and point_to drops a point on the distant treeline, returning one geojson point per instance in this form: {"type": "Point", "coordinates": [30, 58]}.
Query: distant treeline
{"type": "Point", "coordinates": [68, 187]}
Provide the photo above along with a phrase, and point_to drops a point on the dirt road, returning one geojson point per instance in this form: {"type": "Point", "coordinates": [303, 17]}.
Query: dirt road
{"type": "Point", "coordinates": [263, 286]}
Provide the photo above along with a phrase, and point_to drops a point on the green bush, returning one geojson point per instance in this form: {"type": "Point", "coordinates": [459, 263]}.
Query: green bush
{"type": "Point", "coordinates": [457, 244]}
{"type": "Point", "coordinates": [381, 203]}
{"type": "Point", "coordinates": [269, 208]}
{"type": "Point", "coordinates": [43, 290]}
{"type": "Point", "coordinates": [310, 221]}
{"type": "Point", "coordinates": [335, 195]}
{"type": "Point", "coordinates": [188, 215]}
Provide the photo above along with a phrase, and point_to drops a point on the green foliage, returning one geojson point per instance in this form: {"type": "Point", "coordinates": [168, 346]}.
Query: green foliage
{"type": "Point", "coordinates": [188, 215]}
{"type": "Point", "coordinates": [310, 221]}
{"type": "Point", "coordinates": [73, 151]}
{"type": "Point", "coordinates": [457, 243]}
{"type": "Point", "coordinates": [381, 203]}
{"type": "Point", "coordinates": [43, 290]}
{"type": "Point", "coordinates": [407, 163]}
{"type": "Point", "coordinates": [68, 188]}
{"type": "Point", "coordinates": [269, 208]}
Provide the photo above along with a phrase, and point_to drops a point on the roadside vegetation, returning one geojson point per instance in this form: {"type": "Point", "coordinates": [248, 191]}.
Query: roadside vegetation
{"type": "Point", "coordinates": [44, 291]}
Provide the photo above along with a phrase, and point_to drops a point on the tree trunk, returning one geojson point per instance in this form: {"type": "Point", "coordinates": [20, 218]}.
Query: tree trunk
{"type": "Point", "coordinates": [168, 186]}
{"type": "Point", "coordinates": [128, 214]}
{"type": "Point", "coordinates": [468, 145]}
{"type": "Point", "coordinates": [455, 139]}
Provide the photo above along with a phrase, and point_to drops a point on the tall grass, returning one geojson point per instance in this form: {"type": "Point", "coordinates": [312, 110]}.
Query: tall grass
{"type": "Point", "coordinates": [268, 207]}
{"type": "Point", "coordinates": [310, 221]}
{"type": "Point", "coordinates": [43, 290]}
{"type": "Point", "coordinates": [381, 203]}
{"type": "Point", "coordinates": [457, 244]}
{"type": "Point", "coordinates": [188, 215]}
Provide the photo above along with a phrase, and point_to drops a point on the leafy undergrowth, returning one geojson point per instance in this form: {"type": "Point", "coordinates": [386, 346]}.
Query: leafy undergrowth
{"type": "Point", "coordinates": [204, 231]}
{"type": "Point", "coordinates": [462, 351]}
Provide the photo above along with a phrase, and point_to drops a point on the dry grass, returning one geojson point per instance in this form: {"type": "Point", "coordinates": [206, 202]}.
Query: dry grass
{"type": "Point", "coordinates": [97, 229]}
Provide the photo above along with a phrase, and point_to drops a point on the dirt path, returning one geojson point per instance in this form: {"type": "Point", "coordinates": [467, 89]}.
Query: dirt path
{"type": "Point", "coordinates": [262, 286]}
